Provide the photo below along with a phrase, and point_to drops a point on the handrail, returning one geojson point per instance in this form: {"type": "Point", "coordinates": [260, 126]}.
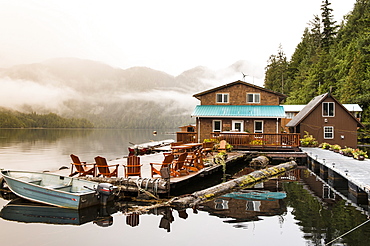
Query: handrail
{"type": "Point", "coordinates": [238, 139]}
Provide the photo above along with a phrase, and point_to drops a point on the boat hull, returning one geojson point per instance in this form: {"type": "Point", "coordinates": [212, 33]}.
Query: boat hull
{"type": "Point", "coordinates": [52, 189]}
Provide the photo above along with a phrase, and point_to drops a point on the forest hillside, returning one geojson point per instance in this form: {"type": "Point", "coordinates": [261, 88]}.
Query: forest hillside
{"type": "Point", "coordinates": [330, 57]}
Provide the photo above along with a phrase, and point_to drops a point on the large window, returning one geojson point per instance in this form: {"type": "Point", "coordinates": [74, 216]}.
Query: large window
{"type": "Point", "coordinates": [253, 98]}
{"type": "Point", "coordinates": [222, 97]}
{"type": "Point", "coordinates": [328, 109]}
{"type": "Point", "coordinates": [258, 126]}
{"type": "Point", "coordinates": [217, 126]}
{"type": "Point", "coordinates": [328, 132]}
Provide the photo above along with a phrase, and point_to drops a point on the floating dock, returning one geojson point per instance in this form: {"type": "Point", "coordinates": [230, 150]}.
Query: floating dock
{"type": "Point", "coordinates": [341, 172]}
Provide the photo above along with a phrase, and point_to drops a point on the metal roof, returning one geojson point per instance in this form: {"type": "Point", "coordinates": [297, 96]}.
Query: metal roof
{"type": "Point", "coordinates": [299, 107]}
{"type": "Point", "coordinates": [245, 111]}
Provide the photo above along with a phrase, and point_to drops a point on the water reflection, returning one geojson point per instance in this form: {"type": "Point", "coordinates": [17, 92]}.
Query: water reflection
{"type": "Point", "coordinates": [321, 213]}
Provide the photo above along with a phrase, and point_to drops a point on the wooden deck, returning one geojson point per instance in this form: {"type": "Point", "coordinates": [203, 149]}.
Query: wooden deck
{"type": "Point", "coordinates": [242, 140]}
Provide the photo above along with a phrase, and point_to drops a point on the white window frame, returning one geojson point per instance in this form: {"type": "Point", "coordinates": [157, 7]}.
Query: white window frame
{"type": "Point", "coordinates": [254, 126]}
{"type": "Point", "coordinates": [256, 97]}
{"type": "Point", "coordinates": [329, 130]}
{"type": "Point", "coordinates": [241, 125]}
{"type": "Point", "coordinates": [213, 126]}
{"type": "Point", "coordinates": [328, 113]}
{"type": "Point", "coordinates": [224, 97]}
{"type": "Point", "coordinates": [289, 115]}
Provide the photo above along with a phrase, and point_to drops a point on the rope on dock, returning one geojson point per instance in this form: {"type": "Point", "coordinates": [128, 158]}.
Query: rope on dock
{"type": "Point", "coordinates": [347, 232]}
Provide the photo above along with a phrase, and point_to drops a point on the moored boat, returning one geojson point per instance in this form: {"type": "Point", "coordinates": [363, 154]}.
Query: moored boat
{"type": "Point", "coordinates": [57, 190]}
{"type": "Point", "coordinates": [147, 148]}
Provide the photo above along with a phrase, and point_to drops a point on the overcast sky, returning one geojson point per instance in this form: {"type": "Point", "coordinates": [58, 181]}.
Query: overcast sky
{"type": "Point", "coordinates": [167, 35]}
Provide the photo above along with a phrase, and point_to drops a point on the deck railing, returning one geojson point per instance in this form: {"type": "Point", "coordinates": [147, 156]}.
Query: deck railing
{"type": "Point", "coordinates": [247, 140]}
{"type": "Point", "coordinates": [186, 137]}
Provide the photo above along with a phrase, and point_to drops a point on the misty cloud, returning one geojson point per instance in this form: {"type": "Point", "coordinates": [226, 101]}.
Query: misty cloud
{"type": "Point", "coordinates": [15, 94]}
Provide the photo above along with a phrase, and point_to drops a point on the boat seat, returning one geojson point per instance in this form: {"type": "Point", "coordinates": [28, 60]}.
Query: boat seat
{"type": "Point", "coordinates": [36, 182]}
{"type": "Point", "coordinates": [57, 187]}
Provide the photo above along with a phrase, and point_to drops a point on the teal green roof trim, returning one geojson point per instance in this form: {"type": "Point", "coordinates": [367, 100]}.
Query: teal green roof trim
{"type": "Point", "coordinates": [245, 111]}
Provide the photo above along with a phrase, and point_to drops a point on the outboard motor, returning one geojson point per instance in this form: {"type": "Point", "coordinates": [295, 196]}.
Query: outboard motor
{"type": "Point", "coordinates": [105, 190]}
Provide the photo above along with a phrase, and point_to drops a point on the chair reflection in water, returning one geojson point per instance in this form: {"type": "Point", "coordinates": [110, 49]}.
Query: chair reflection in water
{"type": "Point", "coordinates": [133, 167]}
{"type": "Point", "coordinates": [104, 169]}
{"type": "Point", "coordinates": [82, 169]}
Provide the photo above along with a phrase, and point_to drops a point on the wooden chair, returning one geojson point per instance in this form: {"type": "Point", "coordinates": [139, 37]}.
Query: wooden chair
{"type": "Point", "coordinates": [194, 162]}
{"type": "Point", "coordinates": [82, 168]}
{"type": "Point", "coordinates": [178, 166]}
{"type": "Point", "coordinates": [222, 146]}
{"type": "Point", "coordinates": [104, 169]}
{"type": "Point", "coordinates": [166, 163]}
{"type": "Point", "coordinates": [133, 167]}
{"type": "Point", "coordinates": [208, 148]}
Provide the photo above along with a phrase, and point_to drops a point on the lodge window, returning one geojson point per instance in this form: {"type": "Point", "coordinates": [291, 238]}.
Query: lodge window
{"type": "Point", "coordinates": [217, 126]}
{"type": "Point", "coordinates": [253, 98]}
{"type": "Point", "coordinates": [258, 126]}
{"type": "Point", "coordinates": [328, 109]}
{"type": "Point", "coordinates": [328, 132]}
{"type": "Point", "coordinates": [289, 115]}
{"type": "Point", "coordinates": [222, 97]}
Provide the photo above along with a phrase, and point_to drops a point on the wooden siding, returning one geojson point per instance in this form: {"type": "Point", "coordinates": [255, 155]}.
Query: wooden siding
{"type": "Point", "coordinates": [343, 123]}
{"type": "Point", "coordinates": [206, 125]}
{"type": "Point", "coordinates": [238, 96]}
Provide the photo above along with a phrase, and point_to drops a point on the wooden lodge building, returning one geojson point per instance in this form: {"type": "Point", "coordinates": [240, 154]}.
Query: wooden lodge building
{"type": "Point", "coordinates": [244, 115]}
{"type": "Point", "coordinates": [328, 121]}
{"type": "Point", "coordinates": [252, 117]}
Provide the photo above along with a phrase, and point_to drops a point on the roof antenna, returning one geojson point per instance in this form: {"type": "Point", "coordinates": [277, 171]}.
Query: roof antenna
{"type": "Point", "coordinates": [244, 75]}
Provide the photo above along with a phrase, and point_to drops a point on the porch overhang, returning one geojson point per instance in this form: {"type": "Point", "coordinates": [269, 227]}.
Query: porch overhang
{"type": "Point", "coordinates": [238, 111]}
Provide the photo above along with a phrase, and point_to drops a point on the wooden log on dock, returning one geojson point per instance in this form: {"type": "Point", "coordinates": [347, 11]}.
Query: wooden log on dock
{"type": "Point", "coordinates": [134, 185]}
{"type": "Point", "coordinates": [223, 188]}
{"type": "Point", "coordinates": [260, 161]}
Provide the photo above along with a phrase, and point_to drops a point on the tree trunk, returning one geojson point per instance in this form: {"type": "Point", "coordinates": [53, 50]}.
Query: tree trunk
{"type": "Point", "coordinates": [223, 188]}
{"type": "Point", "coordinates": [155, 186]}
{"type": "Point", "coordinates": [260, 161]}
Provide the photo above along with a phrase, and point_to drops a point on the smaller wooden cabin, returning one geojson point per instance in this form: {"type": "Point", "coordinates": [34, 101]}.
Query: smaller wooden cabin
{"type": "Point", "coordinates": [327, 120]}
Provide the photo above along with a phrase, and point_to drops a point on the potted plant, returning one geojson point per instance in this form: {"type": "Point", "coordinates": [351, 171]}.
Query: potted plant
{"type": "Point", "coordinates": [325, 146]}
{"type": "Point", "coordinates": [359, 154]}
{"type": "Point", "coordinates": [308, 140]}
{"type": "Point", "coordinates": [220, 158]}
{"type": "Point", "coordinates": [347, 151]}
{"type": "Point", "coordinates": [336, 148]}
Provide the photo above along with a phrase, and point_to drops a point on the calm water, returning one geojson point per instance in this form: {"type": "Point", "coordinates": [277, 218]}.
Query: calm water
{"type": "Point", "coordinates": [311, 213]}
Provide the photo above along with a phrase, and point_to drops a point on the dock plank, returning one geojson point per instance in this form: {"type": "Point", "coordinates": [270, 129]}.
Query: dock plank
{"type": "Point", "coordinates": [357, 172]}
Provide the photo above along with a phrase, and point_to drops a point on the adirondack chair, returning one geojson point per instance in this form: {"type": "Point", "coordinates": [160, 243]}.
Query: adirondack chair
{"type": "Point", "coordinates": [133, 167]}
{"type": "Point", "coordinates": [222, 146]}
{"type": "Point", "coordinates": [208, 148]}
{"type": "Point", "coordinates": [82, 169]}
{"type": "Point", "coordinates": [194, 161]}
{"type": "Point", "coordinates": [178, 166]}
{"type": "Point", "coordinates": [104, 169]}
{"type": "Point", "coordinates": [166, 163]}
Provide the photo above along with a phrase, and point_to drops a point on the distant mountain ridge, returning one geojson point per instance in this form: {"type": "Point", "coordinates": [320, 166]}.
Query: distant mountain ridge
{"type": "Point", "coordinates": [137, 97]}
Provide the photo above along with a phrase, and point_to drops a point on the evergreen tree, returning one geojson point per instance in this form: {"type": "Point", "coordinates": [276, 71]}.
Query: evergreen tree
{"type": "Point", "coordinates": [329, 27]}
{"type": "Point", "coordinates": [276, 72]}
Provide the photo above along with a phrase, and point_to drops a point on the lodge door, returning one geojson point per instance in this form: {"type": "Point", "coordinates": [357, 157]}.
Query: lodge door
{"type": "Point", "coordinates": [238, 125]}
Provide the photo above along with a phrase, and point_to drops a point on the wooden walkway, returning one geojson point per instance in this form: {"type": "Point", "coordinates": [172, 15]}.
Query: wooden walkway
{"type": "Point", "coordinates": [355, 171]}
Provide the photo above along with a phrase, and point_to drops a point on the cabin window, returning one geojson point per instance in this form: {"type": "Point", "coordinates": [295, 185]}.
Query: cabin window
{"type": "Point", "coordinates": [217, 126]}
{"type": "Point", "coordinates": [222, 97]}
{"type": "Point", "coordinates": [289, 115]}
{"type": "Point", "coordinates": [258, 126]}
{"type": "Point", "coordinates": [328, 109]}
{"type": "Point", "coordinates": [238, 125]}
{"type": "Point", "coordinates": [328, 132]}
{"type": "Point", "coordinates": [253, 98]}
